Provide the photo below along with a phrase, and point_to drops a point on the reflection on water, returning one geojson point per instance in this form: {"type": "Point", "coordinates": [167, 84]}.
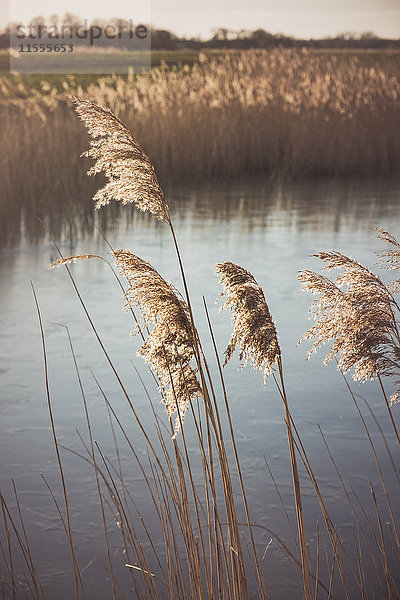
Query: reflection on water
{"type": "Point", "coordinates": [271, 228]}
{"type": "Point", "coordinates": [301, 204]}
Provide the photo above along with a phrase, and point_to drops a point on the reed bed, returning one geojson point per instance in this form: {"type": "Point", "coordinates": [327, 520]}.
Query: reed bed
{"type": "Point", "coordinates": [209, 547]}
{"type": "Point", "coordinates": [279, 112]}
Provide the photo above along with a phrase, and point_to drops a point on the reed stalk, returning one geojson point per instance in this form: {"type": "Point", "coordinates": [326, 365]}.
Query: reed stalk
{"type": "Point", "coordinates": [255, 334]}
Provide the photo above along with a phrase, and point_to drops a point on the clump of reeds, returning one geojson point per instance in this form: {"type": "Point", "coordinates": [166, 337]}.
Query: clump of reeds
{"type": "Point", "coordinates": [360, 320]}
{"type": "Point", "coordinates": [132, 180]}
{"type": "Point", "coordinates": [356, 312]}
{"type": "Point", "coordinates": [270, 112]}
{"type": "Point", "coordinates": [253, 328]}
{"type": "Point", "coordinates": [169, 346]}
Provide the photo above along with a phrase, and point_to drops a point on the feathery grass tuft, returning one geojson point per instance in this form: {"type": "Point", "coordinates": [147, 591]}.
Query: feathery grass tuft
{"type": "Point", "coordinates": [120, 157]}
{"type": "Point", "coordinates": [169, 347]}
{"type": "Point", "coordinates": [357, 312]}
{"type": "Point", "coordinates": [253, 328]}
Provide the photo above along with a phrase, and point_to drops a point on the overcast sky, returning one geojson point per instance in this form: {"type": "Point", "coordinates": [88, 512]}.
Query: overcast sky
{"type": "Point", "coordinates": [301, 18]}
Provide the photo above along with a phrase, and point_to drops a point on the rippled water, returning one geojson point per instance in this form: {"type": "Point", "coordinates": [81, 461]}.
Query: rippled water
{"type": "Point", "coordinates": [270, 228]}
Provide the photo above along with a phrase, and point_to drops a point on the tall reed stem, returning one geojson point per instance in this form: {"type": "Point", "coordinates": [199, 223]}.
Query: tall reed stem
{"type": "Point", "coordinates": [77, 577]}
{"type": "Point", "coordinates": [297, 491]}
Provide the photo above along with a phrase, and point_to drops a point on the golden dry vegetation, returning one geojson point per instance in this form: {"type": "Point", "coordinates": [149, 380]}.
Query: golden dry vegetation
{"type": "Point", "coordinates": [287, 112]}
{"type": "Point", "coordinates": [206, 544]}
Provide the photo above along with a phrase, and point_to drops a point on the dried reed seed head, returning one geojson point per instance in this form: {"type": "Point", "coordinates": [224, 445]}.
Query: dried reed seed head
{"type": "Point", "coordinates": [390, 258]}
{"type": "Point", "coordinates": [120, 157]}
{"type": "Point", "coordinates": [356, 313]}
{"type": "Point", "coordinates": [71, 259]}
{"type": "Point", "coordinates": [253, 328]}
{"type": "Point", "coordinates": [169, 347]}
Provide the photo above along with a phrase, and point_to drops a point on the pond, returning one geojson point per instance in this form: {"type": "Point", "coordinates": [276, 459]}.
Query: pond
{"type": "Point", "coordinates": [271, 228]}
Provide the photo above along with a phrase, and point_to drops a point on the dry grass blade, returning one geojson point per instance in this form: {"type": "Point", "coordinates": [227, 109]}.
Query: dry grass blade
{"type": "Point", "coordinates": [77, 575]}
{"type": "Point", "coordinates": [357, 313]}
{"type": "Point", "coordinates": [253, 328]}
{"type": "Point", "coordinates": [72, 259]}
{"type": "Point", "coordinates": [169, 347]}
{"type": "Point", "coordinates": [120, 157]}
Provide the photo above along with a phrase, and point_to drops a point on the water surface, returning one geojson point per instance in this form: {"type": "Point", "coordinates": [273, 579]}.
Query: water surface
{"type": "Point", "coordinates": [272, 229]}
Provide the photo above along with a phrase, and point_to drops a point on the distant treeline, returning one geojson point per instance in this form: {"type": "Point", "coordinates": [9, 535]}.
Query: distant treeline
{"type": "Point", "coordinates": [220, 39]}
{"type": "Point", "coordinates": [259, 38]}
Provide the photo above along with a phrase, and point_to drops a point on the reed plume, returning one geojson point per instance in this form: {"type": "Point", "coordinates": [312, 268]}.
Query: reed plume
{"type": "Point", "coordinates": [120, 157]}
{"type": "Point", "coordinates": [72, 259]}
{"type": "Point", "coordinates": [253, 328]}
{"type": "Point", "coordinates": [356, 312]}
{"type": "Point", "coordinates": [169, 346]}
